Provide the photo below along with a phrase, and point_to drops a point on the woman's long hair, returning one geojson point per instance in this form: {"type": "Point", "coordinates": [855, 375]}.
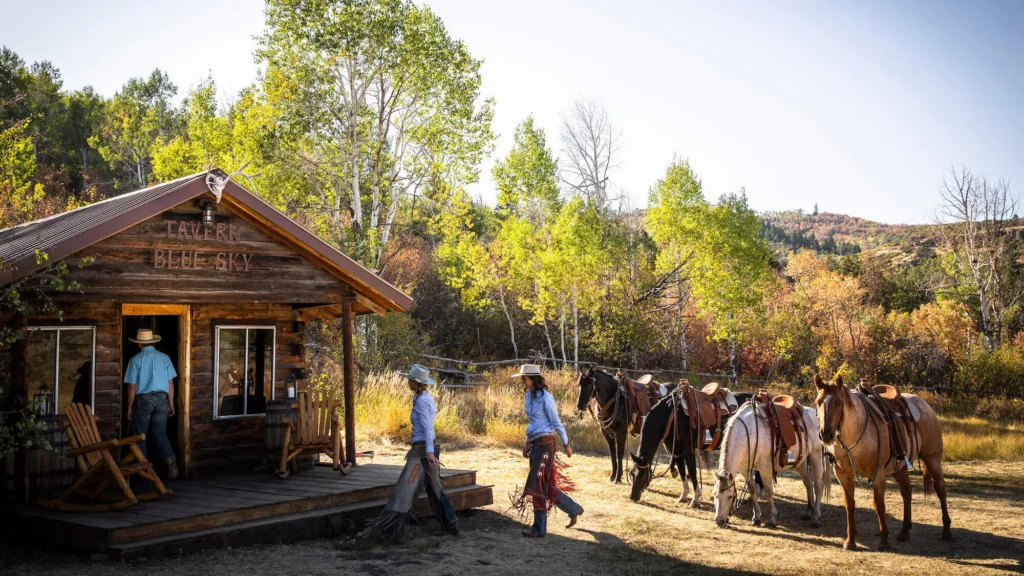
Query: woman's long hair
{"type": "Point", "coordinates": [538, 384]}
{"type": "Point", "coordinates": [417, 387]}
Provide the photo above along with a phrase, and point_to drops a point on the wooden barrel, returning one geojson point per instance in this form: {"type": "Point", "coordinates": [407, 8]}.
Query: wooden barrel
{"type": "Point", "coordinates": [50, 472]}
{"type": "Point", "coordinates": [277, 412]}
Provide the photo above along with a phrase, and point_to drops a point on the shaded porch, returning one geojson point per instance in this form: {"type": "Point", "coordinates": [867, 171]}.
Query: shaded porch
{"type": "Point", "coordinates": [243, 509]}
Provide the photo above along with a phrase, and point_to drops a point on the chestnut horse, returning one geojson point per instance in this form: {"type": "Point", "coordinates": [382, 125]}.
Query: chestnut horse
{"type": "Point", "coordinates": [859, 441]}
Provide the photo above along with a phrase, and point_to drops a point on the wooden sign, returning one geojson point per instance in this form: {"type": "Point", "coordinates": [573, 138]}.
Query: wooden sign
{"type": "Point", "coordinates": [202, 259]}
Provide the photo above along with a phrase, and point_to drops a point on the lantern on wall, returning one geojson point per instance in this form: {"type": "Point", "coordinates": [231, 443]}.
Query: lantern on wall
{"type": "Point", "coordinates": [43, 400]}
{"type": "Point", "coordinates": [209, 213]}
{"type": "Point", "coordinates": [289, 385]}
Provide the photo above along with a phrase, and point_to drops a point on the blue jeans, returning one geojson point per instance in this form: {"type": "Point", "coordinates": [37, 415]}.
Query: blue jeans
{"type": "Point", "coordinates": [567, 504]}
{"type": "Point", "coordinates": [150, 418]}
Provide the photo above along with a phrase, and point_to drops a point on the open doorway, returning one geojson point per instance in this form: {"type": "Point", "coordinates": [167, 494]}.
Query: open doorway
{"type": "Point", "coordinates": [168, 329]}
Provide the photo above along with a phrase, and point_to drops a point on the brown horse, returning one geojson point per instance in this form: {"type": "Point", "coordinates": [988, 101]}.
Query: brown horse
{"type": "Point", "coordinates": [859, 441]}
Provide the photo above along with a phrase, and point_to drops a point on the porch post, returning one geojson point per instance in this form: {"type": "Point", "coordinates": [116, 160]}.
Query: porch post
{"type": "Point", "coordinates": [19, 377]}
{"type": "Point", "coordinates": [350, 385]}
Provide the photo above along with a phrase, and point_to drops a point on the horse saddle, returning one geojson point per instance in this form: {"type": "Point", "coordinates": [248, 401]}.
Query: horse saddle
{"type": "Point", "coordinates": [895, 400]}
{"type": "Point", "coordinates": [791, 421]}
{"type": "Point", "coordinates": [900, 415]}
{"type": "Point", "coordinates": [640, 396]}
{"type": "Point", "coordinates": [786, 421]}
{"type": "Point", "coordinates": [712, 401]}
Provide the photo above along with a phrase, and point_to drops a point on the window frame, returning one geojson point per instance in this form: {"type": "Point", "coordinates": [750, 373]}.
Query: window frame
{"type": "Point", "coordinates": [248, 325]}
{"type": "Point", "coordinates": [56, 361]}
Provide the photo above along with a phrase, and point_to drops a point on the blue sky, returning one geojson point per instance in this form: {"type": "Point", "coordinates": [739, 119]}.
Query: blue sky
{"type": "Point", "coordinates": [860, 107]}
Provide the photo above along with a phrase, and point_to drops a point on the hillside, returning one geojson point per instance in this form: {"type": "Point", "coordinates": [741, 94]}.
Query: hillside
{"type": "Point", "coordinates": [842, 234]}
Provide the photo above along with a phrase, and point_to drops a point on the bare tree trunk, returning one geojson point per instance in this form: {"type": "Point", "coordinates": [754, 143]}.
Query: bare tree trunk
{"type": "Point", "coordinates": [511, 326]}
{"type": "Point", "coordinates": [575, 328]}
{"type": "Point", "coordinates": [547, 334]}
{"type": "Point", "coordinates": [565, 359]}
{"type": "Point", "coordinates": [683, 347]}
{"type": "Point", "coordinates": [732, 358]}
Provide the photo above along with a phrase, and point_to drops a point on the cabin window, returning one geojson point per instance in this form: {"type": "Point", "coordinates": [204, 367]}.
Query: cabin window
{"type": "Point", "coordinates": [61, 366]}
{"type": "Point", "coordinates": [243, 370]}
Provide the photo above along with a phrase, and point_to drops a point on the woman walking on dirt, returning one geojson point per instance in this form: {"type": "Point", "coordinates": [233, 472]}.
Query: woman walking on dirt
{"type": "Point", "coordinates": [422, 457]}
{"type": "Point", "coordinates": [546, 487]}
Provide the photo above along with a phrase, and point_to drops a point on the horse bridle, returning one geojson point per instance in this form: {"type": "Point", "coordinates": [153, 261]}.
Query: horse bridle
{"type": "Point", "coordinates": [849, 449]}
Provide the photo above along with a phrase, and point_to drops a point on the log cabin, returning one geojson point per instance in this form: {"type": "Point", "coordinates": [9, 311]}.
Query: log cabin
{"type": "Point", "coordinates": [226, 280]}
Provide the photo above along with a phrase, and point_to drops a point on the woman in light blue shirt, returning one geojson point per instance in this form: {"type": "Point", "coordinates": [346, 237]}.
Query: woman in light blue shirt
{"type": "Point", "coordinates": [545, 487]}
{"type": "Point", "coordinates": [390, 524]}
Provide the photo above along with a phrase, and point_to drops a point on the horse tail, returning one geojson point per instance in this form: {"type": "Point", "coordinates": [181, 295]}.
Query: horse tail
{"type": "Point", "coordinates": [704, 459]}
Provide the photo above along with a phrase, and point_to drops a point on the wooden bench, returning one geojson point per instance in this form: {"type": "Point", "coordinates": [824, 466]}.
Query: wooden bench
{"type": "Point", "coordinates": [100, 468]}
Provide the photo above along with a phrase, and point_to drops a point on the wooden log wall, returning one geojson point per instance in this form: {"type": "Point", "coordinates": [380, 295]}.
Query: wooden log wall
{"type": "Point", "coordinates": [236, 443]}
{"type": "Point", "coordinates": [106, 316]}
{"type": "Point", "coordinates": [172, 258]}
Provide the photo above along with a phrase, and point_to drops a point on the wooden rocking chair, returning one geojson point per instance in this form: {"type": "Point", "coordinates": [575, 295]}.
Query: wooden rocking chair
{"type": "Point", "coordinates": [99, 467]}
{"type": "Point", "coordinates": [317, 431]}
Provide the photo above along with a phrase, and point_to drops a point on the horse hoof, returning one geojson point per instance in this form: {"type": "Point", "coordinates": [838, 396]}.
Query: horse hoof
{"type": "Point", "coordinates": [695, 504]}
{"type": "Point", "coordinates": [815, 524]}
{"type": "Point", "coordinates": [903, 537]}
{"type": "Point", "coordinates": [770, 525]}
{"type": "Point", "coordinates": [947, 536]}
{"type": "Point", "coordinates": [805, 516]}
{"type": "Point", "coordinates": [884, 548]}
{"type": "Point", "coordinates": [851, 546]}
{"type": "Point", "coordinates": [755, 522]}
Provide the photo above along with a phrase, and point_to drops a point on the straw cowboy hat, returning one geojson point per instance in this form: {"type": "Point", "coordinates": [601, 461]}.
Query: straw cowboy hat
{"type": "Point", "coordinates": [419, 373]}
{"type": "Point", "coordinates": [528, 370]}
{"type": "Point", "coordinates": [145, 336]}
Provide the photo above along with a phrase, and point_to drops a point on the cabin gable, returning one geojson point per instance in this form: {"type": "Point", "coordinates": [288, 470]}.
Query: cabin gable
{"type": "Point", "coordinates": [172, 257]}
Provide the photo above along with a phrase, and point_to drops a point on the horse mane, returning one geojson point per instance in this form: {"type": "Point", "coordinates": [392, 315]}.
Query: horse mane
{"type": "Point", "coordinates": [723, 449]}
{"type": "Point", "coordinates": [648, 421]}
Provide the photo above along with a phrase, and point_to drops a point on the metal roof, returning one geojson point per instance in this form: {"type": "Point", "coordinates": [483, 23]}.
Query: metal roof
{"type": "Point", "coordinates": [21, 242]}
{"type": "Point", "coordinates": [64, 234]}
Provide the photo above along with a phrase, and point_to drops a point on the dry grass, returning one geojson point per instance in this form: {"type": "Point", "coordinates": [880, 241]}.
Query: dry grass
{"type": "Point", "coordinates": [493, 414]}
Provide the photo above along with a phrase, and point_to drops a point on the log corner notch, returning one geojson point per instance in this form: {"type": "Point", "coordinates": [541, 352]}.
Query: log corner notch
{"type": "Point", "coordinates": [350, 386]}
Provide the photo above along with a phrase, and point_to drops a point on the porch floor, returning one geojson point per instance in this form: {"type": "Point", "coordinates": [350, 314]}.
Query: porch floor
{"type": "Point", "coordinates": [241, 509]}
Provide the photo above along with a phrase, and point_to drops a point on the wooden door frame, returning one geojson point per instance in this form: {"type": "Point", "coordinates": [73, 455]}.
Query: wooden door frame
{"type": "Point", "coordinates": [183, 396]}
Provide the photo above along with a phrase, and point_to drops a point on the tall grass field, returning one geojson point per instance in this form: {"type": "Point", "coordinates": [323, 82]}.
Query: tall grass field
{"type": "Point", "coordinates": [492, 413]}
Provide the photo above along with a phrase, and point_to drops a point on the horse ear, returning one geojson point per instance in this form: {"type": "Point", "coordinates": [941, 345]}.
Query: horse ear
{"type": "Point", "coordinates": [839, 380]}
{"type": "Point", "coordinates": [818, 382]}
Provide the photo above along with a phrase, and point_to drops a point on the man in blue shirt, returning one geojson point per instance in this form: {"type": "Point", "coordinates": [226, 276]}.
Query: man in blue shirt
{"type": "Point", "coordinates": [150, 379]}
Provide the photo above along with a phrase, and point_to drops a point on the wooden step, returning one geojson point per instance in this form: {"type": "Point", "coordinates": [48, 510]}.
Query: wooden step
{"type": "Point", "coordinates": [318, 523]}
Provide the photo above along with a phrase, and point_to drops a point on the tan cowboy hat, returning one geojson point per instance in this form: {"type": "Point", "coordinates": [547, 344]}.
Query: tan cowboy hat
{"type": "Point", "coordinates": [145, 336]}
{"type": "Point", "coordinates": [645, 379]}
{"type": "Point", "coordinates": [419, 373]}
{"type": "Point", "coordinates": [527, 370]}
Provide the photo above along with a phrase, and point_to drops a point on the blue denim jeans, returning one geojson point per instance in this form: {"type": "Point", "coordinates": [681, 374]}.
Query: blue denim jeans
{"type": "Point", "coordinates": [567, 504]}
{"type": "Point", "coordinates": [150, 418]}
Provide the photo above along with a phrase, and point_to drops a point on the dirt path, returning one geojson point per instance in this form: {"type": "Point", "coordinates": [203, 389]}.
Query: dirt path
{"type": "Point", "coordinates": [616, 536]}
